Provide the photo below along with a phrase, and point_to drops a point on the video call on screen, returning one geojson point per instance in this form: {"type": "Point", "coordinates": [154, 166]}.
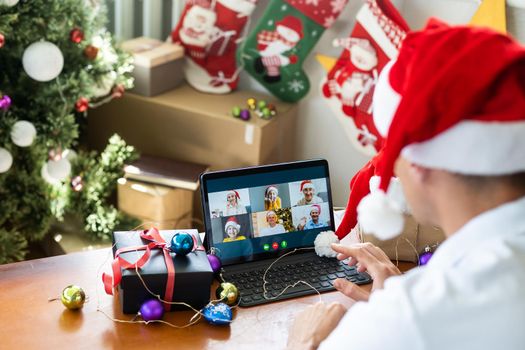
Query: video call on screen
{"type": "Point", "coordinates": [246, 213]}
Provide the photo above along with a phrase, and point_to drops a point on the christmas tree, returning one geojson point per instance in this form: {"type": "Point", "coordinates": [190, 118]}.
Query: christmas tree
{"type": "Point", "coordinates": [56, 62]}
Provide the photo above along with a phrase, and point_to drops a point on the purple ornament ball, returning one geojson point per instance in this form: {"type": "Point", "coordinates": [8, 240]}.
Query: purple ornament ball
{"type": "Point", "coordinates": [215, 263]}
{"type": "Point", "coordinates": [245, 114]}
{"type": "Point", "coordinates": [424, 258]}
{"type": "Point", "coordinates": [152, 310]}
{"type": "Point", "coordinates": [5, 102]}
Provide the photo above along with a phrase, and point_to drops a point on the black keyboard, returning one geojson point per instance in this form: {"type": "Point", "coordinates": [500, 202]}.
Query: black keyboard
{"type": "Point", "coordinates": [319, 272]}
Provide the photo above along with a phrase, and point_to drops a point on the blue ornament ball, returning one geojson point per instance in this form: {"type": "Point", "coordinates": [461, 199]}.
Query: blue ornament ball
{"type": "Point", "coordinates": [152, 310]}
{"type": "Point", "coordinates": [181, 243]}
{"type": "Point", "coordinates": [219, 314]}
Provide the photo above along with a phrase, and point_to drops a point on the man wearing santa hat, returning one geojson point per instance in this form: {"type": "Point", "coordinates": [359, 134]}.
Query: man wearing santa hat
{"type": "Point", "coordinates": [452, 109]}
{"type": "Point", "coordinates": [274, 45]}
{"type": "Point", "coordinates": [314, 222]}
{"type": "Point", "coordinates": [308, 190]}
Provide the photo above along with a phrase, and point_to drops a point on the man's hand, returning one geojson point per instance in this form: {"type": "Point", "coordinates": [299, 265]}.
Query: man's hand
{"type": "Point", "coordinates": [367, 257]}
{"type": "Point", "coordinates": [313, 325]}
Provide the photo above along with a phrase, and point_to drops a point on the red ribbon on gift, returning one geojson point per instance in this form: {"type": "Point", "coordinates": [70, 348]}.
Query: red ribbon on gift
{"type": "Point", "coordinates": [155, 242]}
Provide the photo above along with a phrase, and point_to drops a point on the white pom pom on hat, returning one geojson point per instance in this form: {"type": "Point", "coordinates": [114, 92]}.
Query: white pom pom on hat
{"type": "Point", "coordinates": [378, 214]}
{"type": "Point", "coordinates": [323, 244]}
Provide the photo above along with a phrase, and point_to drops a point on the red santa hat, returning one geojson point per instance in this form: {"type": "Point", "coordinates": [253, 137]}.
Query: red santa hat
{"type": "Point", "coordinates": [451, 91]}
{"type": "Point", "coordinates": [292, 23]}
{"type": "Point", "coordinates": [307, 184]}
{"type": "Point", "coordinates": [316, 207]}
{"type": "Point", "coordinates": [232, 222]}
{"type": "Point", "coordinates": [235, 193]}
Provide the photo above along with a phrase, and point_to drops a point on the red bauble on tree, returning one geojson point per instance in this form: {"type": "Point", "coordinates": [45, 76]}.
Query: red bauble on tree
{"type": "Point", "coordinates": [76, 35]}
{"type": "Point", "coordinates": [91, 52]}
{"type": "Point", "coordinates": [82, 105]}
{"type": "Point", "coordinates": [2, 40]}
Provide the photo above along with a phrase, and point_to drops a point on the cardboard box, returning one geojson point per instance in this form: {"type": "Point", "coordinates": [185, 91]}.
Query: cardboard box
{"type": "Point", "coordinates": [162, 206]}
{"type": "Point", "coordinates": [193, 274]}
{"type": "Point", "coordinates": [188, 125]}
{"type": "Point", "coordinates": [158, 65]}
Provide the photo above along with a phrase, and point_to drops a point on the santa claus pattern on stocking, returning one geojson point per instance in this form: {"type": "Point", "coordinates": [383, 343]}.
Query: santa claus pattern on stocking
{"type": "Point", "coordinates": [210, 31]}
{"type": "Point", "coordinates": [275, 50]}
{"type": "Point", "coordinates": [350, 84]}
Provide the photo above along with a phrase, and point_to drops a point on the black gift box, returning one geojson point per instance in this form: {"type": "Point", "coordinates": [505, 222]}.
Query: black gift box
{"type": "Point", "coordinates": [193, 273]}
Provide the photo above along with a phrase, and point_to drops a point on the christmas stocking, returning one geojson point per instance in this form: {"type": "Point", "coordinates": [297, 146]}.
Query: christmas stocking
{"type": "Point", "coordinates": [275, 51]}
{"type": "Point", "coordinates": [210, 30]}
{"type": "Point", "coordinates": [349, 86]}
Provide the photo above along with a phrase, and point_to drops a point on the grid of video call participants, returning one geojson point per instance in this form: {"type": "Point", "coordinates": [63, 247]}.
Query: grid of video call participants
{"type": "Point", "coordinates": [246, 213]}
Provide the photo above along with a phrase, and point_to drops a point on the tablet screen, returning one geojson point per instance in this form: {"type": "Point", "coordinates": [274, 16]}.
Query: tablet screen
{"type": "Point", "coordinates": [262, 212]}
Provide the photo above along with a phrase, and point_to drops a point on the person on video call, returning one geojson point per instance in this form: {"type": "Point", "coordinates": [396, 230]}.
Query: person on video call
{"type": "Point", "coordinates": [272, 200]}
{"type": "Point", "coordinates": [232, 230]}
{"type": "Point", "coordinates": [313, 222]}
{"type": "Point", "coordinates": [273, 227]}
{"type": "Point", "coordinates": [234, 205]}
{"type": "Point", "coordinates": [309, 197]}
{"type": "Point", "coordinates": [452, 108]}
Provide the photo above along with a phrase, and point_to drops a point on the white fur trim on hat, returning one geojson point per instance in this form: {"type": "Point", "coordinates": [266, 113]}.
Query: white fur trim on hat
{"type": "Point", "coordinates": [380, 216]}
{"type": "Point", "coordinates": [394, 193]}
{"type": "Point", "coordinates": [385, 101]}
{"type": "Point", "coordinates": [232, 223]}
{"type": "Point", "coordinates": [473, 148]}
{"type": "Point", "coordinates": [323, 243]}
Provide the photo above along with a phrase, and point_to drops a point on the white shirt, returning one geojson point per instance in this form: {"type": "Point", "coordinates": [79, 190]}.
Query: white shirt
{"type": "Point", "coordinates": [471, 295]}
{"type": "Point", "coordinates": [278, 228]}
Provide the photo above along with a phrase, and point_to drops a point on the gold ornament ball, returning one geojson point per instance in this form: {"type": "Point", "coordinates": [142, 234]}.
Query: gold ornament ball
{"type": "Point", "coordinates": [252, 103]}
{"type": "Point", "coordinates": [228, 293]}
{"type": "Point", "coordinates": [73, 297]}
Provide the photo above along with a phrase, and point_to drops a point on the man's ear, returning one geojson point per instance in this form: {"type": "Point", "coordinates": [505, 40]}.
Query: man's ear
{"type": "Point", "coordinates": [418, 173]}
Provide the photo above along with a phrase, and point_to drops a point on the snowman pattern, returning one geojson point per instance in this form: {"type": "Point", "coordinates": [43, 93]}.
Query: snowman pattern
{"type": "Point", "coordinates": [274, 46]}
{"type": "Point", "coordinates": [354, 83]}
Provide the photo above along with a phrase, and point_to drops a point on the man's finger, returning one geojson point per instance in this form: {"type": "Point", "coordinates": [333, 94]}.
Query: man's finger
{"type": "Point", "coordinates": [358, 252]}
{"type": "Point", "coordinates": [351, 290]}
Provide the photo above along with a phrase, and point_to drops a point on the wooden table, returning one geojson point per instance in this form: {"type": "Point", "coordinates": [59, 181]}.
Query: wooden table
{"type": "Point", "coordinates": [29, 321]}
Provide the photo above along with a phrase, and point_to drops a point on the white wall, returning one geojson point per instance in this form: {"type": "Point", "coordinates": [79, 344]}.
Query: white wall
{"type": "Point", "coordinates": [320, 134]}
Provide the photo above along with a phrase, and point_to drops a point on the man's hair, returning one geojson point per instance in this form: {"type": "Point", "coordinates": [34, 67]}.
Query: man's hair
{"type": "Point", "coordinates": [516, 181]}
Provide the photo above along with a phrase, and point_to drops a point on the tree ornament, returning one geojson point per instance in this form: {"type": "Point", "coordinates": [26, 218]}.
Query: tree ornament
{"type": "Point", "coordinates": [181, 243]}
{"type": "Point", "coordinates": [252, 103]}
{"type": "Point", "coordinates": [58, 170]}
{"type": "Point", "coordinates": [77, 184]}
{"type": "Point", "coordinates": [215, 263]}
{"type": "Point", "coordinates": [118, 91]}
{"type": "Point", "coordinates": [152, 310]}
{"type": "Point", "coordinates": [91, 52]}
{"type": "Point", "coordinates": [219, 314]}
{"type": "Point", "coordinates": [82, 105]}
{"type": "Point", "coordinates": [76, 35]}
{"type": "Point", "coordinates": [245, 115]}
{"type": "Point", "coordinates": [23, 133]}
{"type": "Point", "coordinates": [5, 102]}
{"type": "Point", "coordinates": [236, 111]}
{"type": "Point", "coordinates": [104, 84]}
{"type": "Point", "coordinates": [8, 3]}
{"type": "Point", "coordinates": [43, 61]}
{"type": "Point", "coordinates": [6, 160]}
{"type": "Point", "coordinates": [425, 257]}
{"type": "Point", "coordinates": [228, 293]}
{"type": "Point", "coordinates": [2, 40]}
{"type": "Point", "coordinates": [73, 297]}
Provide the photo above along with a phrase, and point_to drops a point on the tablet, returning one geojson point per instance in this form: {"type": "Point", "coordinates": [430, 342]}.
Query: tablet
{"type": "Point", "coordinates": [265, 211]}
